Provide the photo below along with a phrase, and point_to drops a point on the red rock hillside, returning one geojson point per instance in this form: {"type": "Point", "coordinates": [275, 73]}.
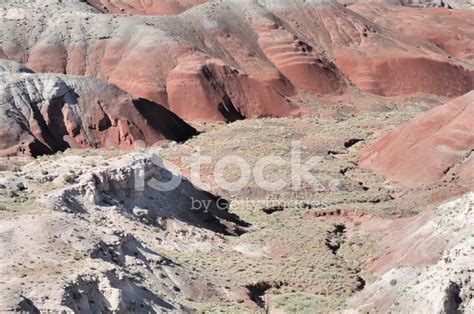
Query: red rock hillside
{"type": "Point", "coordinates": [43, 114]}
{"type": "Point", "coordinates": [438, 144]}
{"type": "Point", "coordinates": [451, 30]}
{"type": "Point", "coordinates": [236, 56]}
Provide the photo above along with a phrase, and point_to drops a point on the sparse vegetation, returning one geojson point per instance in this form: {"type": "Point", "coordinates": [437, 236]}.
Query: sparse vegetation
{"type": "Point", "coordinates": [78, 256]}
{"type": "Point", "coordinates": [68, 178]}
{"type": "Point", "coordinates": [278, 244]}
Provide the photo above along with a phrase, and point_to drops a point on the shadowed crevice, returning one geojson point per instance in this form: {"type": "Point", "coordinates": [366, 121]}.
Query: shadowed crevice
{"type": "Point", "coordinates": [165, 121]}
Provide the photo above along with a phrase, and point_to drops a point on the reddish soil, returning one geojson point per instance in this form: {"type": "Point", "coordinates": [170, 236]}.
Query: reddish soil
{"type": "Point", "coordinates": [435, 145]}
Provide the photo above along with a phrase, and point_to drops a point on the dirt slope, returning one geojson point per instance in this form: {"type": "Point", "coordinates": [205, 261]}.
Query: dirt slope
{"type": "Point", "coordinates": [436, 145]}
{"type": "Point", "coordinates": [451, 30]}
{"type": "Point", "coordinates": [441, 286]}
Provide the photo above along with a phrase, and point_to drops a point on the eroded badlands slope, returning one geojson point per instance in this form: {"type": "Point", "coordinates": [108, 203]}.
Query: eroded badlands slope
{"type": "Point", "coordinates": [147, 7]}
{"type": "Point", "coordinates": [91, 246]}
{"type": "Point", "coordinates": [171, 7]}
{"type": "Point", "coordinates": [438, 144]}
{"type": "Point", "coordinates": [451, 30]}
{"type": "Point", "coordinates": [443, 285]}
{"type": "Point", "coordinates": [234, 59]}
{"type": "Point", "coordinates": [46, 113]}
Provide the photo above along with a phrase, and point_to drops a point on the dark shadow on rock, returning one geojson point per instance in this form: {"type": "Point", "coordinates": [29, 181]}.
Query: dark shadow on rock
{"type": "Point", "coordinates": [137, 298]}
{"type": "Point", "coordinates": [68, 202]}
{"type": "Point", "coordinates": [86, 295]}
{"type": "Point", "coordinates": [186, 202]}
{"type": "Point", "coordinates": [229, 111]}
{"type": "Point", "coordinates": [117, 251]}
{"type": "Point", "coordinates": [165, 121]}
{"type": "Point", "coordinates": [26, 306]}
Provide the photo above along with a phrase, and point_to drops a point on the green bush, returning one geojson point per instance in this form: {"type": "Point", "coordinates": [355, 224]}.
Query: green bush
{"type": "Point", "coordinates": [68, 178]}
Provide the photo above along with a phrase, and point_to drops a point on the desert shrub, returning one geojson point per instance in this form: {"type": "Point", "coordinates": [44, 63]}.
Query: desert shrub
{"type": "Point", "coordinates": [68, 178]}
{"type": "Point", "coordinates": [78, 256]}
